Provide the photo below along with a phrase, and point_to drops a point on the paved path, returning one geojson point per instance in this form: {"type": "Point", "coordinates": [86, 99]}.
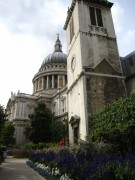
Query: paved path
{"type": "Point", "coordinates": [17, 169]}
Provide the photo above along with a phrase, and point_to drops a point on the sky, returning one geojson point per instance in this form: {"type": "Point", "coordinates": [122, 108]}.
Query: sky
{"type": "Point", "coordinates": [28, 30]}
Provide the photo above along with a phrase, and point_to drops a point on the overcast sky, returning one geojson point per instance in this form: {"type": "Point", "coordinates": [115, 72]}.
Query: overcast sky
{"type": "Point", "coordinates": [28, 31]}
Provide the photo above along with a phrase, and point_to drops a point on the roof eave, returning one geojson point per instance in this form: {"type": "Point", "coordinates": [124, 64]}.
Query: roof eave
{"type": "Point", "coordinates": [69, 13]}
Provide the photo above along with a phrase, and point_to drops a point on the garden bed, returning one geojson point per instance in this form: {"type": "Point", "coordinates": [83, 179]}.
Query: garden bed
{"type": "Point", "coordinates": [65, 163]}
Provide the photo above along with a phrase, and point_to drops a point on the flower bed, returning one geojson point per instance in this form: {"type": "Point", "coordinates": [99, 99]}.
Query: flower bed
{"type": "Point", "coordinates": [47, 172]}
{"type": "Point", "coordinates": [64, 163]}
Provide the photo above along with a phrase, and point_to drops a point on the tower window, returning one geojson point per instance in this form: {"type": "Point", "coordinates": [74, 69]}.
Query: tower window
{"type": "Point", "coordinates": [63, 105]}
{"type": "Point", "coordinates": [92, 16]}
{"type": "Point", "coordinates": [71, 29]}
{"type": "Point", "coordinates": [96, 17]}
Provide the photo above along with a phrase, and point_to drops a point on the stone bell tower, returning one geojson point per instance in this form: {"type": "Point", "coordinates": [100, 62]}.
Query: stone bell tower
{"type": "Point", "coordinates": [93, 65]}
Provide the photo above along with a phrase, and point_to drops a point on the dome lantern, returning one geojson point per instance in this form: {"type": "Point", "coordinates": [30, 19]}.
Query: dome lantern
{"type": "Point", "coordinates": [58, 46]}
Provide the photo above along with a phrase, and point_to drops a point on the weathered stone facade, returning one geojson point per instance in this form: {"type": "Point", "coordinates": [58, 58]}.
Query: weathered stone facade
{"type": "Point", "coordinates": [102, 91]}
{"type": "Point", "coordinates": [96, 79]}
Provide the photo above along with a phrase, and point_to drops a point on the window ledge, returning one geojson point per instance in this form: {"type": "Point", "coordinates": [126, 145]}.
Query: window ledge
{"type": "Point", "coordinates": [98, 30]}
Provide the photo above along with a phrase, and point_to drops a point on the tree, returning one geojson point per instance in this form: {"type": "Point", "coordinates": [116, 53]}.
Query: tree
{"type": "Point", "coordinates": [7, 135]}
{"type": "Point", "coordinates": [3, 117]}
{"type": "Point", "coordinates": [44, 127]}
{"type": "Point", "coordinates": [58, 130]}
{"type": "Point", "coordinates": [40, 124]}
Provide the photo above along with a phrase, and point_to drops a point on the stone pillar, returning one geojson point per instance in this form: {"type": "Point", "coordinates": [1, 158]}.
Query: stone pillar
{"type": "Point", "coordinates": [64, 81]}
{"type": "Point", "coordinates": [47, 82]}
{"type": "Point", "coordinates": [52, 81]}
{"type": "Point", "coordinates": [15, 113]}
{"type": "Point", "coordinates": [33, 86]}
{"type": "Point", "coordinates": [42, 83]}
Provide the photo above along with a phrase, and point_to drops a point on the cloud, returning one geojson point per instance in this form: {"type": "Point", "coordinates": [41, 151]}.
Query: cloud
{"type": "Point", "coordinates": [28, 31]}
{"type": "Point", "coordinates": [117, 14]}
{"type": "Point", "coordinates": [129, 36]}
{"type": "Point", "coordinates": [40, 18]}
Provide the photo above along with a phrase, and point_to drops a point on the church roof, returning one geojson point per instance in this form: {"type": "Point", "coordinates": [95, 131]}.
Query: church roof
{"type": "Point", "coordinates": [57, 56]}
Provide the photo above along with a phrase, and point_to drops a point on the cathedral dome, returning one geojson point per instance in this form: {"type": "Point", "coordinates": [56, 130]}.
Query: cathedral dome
{"type": "Point", "coordinates": [57, 56]}
{"type": "Point", "coordinates": [52, 74]}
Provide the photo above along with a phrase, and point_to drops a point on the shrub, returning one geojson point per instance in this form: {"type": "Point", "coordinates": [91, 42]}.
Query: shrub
{"type": "Point", "coordinates": [30, 145]}
{"type": "Point", "coordinates": [116, 124]}
{"type": "Point", "coordinates": [114, 171]}
{"type": "Point", "coordinates": [22, 153]}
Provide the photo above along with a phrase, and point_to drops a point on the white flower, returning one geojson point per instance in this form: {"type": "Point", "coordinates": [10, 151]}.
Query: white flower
{"type": "Point", "coordinates": [65, 177]}
{"type": "Point", "coordinates": [57, 171]}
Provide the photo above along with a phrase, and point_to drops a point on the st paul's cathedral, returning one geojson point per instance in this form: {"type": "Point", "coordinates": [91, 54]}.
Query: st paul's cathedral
{"type": "Point", "coordinates": [77, 84]}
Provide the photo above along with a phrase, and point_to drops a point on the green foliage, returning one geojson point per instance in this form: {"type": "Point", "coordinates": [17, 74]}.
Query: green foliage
{"type": "Point", "coordinates": [2, 117]}
{"type": "Point", "coordinates": [31, 145]}
{"type": "Point", "coordinates": [7, 135]}
{"type": "Point", "coordinates": [44, 127]}
{"type": "Point", "coordinates": [58, 130]}
{"type": "Point", "coordinates": [116, 124]}
{"type": "Point", "coordinates": [40, 124]}
{"type": "Point", "coordinates": [114, 171]}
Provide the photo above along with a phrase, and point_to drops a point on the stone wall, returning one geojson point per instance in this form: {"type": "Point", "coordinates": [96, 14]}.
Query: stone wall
{"type": "Point", "coordinates": [102, 90]}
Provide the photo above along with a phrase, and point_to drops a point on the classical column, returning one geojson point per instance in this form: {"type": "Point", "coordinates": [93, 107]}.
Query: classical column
{"type": "Point", "coordinates": [64, 81]}
{"type": "Point", "coordinates": [47, 82]}
{"type": "Point", "coordinates": [42, 83]}
{"type": "Point", "coordinates": [34, 87]}
{"type": "Point", "coordinates": [52, 81]}
{"type": "Point", "coordinates": [15, 113]}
